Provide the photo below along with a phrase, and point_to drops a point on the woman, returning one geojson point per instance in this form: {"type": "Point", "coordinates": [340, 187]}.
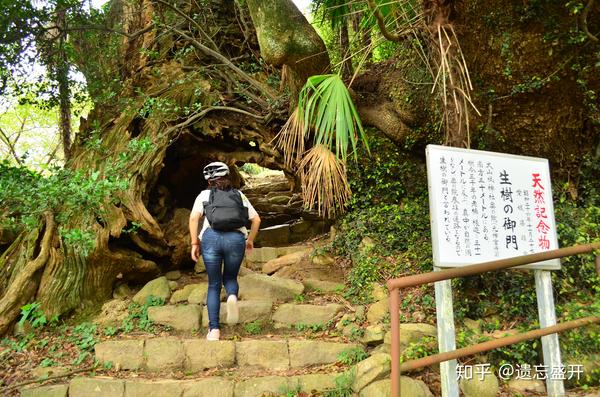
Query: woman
{"type": "Point", "coordinates": [223, 247]}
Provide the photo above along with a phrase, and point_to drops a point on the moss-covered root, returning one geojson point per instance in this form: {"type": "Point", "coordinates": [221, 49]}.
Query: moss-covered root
{"type": "Point", "coordinates": [286, 38]}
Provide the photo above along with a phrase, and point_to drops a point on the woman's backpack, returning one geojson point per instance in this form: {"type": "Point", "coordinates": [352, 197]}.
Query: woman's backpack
{"type": "Point", "coordinates": [225, 210]}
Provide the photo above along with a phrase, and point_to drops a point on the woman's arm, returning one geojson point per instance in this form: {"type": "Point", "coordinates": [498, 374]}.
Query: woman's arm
{"type": "Point", "coordinates": [194, 220]}
{"type": "Point", "coordinates": [253, 232]}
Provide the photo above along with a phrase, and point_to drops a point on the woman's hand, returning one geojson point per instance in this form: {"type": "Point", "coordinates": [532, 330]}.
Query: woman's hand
{"type": "Point", "coordinates": [195, 252]}
{"type": "Point", "coordinates": [249, 245]}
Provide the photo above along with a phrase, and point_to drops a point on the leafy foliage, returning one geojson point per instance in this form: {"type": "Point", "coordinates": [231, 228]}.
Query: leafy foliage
{"type": "Point", "coordinates": [26, 194]}
{"type": "Point", "coordinates": [352, 356]}
{"type": "Point", "coordinates": [328, 109]}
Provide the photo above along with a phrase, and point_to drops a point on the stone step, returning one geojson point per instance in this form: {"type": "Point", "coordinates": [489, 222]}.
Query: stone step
{"type": "Point", "coordinates": [195, 355]}
{"type": "Point", "coordinates": [207, 387]}
{"type": "Point", "coordinates": [290, 314]}
{"type": "Point", "coordinates": [249, 311]}
{"type": "Point", "coordinates": [190, 317]}
{"type": "Point", "coordinates": [369, 377]}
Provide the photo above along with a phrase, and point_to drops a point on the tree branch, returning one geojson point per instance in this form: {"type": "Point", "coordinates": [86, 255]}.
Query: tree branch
{"type": "Point", "coordinates": [204, 112]}
{"type": "Point", "coordinates": [187, 17]}
{"type": "Point", "coordinates": [268, 91]}
{"type": "Point", "coordinates": [381, 24]}
{"type": "Point", "coordinates": [29, 382]}
{"type": "Point", "coordinates": [584, 16]}
{"type": "Point", "coordinates": [4, 138]}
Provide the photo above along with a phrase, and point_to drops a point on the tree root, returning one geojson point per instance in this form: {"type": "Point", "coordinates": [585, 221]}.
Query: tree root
{"type": "Point", "coordinates": [24, 285]}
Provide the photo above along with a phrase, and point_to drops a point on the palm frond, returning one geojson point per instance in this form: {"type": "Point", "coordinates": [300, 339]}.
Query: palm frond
{"type": "Point", "coordinates": [328, 109]}
{"type": "Point", "coordinates": [324, 182]}
{"type": "Point", "coordinates": [291, 138]}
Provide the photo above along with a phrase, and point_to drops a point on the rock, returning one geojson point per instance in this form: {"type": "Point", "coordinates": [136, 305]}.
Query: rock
{"type": "Point", "coordinates": [173, 285]}
{"type": "Point", "coordinates": [263, 287]}
{"type": "Point", "coordinates": [377, 311]}
{"type": "Point", "coordinates": [125, 354]}
{"type": "Point", "coordinates": [383, 348]}
{"type": "Point", "coordinates": [199, 266]}
{"type": "Point", "coordinates": [378, 292]}
{"type": "Point", "coordinates": [373, 335]}
{"type": "Point", "coordinates": [323, 260]}
{"type": "Point", "coordinates": [275, 264]}
{"type": "Point", "coordinates": [248, 311]}
{"type": "Point", "coordinates": [46, 391]}
{"type": "Point", "coordinates": [209, 387]}
{"type": "Point", "coordinates": [153, 388]}
{"type": "Point", "coordinates": [173, 275]}
{"type": "Point", "coordinates": [307, 229]}
{"type": "Point", "coordinates": [408, 387]}
{"type": "Point", "coordinates": [262, 255]}
{"type": "Point", "coordinates": [272, 355]}
{"type": "Point", "coordinates": [412, 332]}
{"type": "Point", "coordinates": [290, 249]}
{"type": "Point", "coordinates": [122, 292]}
{"type": "Point", "coordinates": [113, 313]}
{"type": "Point", "coordinates": [359, 312]}
{"type": "Point", "coordinates": [524, 386]}
{"type": "Point", "coordinates": [100, 387]}
{"type": "Point", "coordinates": [181, 318]}
{"type": "Point", "coordinates": [501, 333]}
{"type": "Point", "coordinates": [318, 382]}
{"type": "Point", "coordinates": [183, 294]}
{"type": "Point", "coordinates": [198, 295]}
{"type": "Point", "coordinates": [366, 245]}
{"type": "Point", "coordinates": [418, 316]}
{"type": "Point", "coordinates": [371, 369]}
{"type": "Point", "coordinates": [158, 288]}
{"type": "Point", "coordinates": [289, 314]}
{"type": "Point", "coordinates": [45, 372]}
{"type": "Point", "coordinates": [473, 325]}
{"type": "Point", "coordinates": [245, 271]}
{"type": "Point", "coordinates": [264, 386]}
{"type": "Point", "coordinates": [476, 387]}
{"type": "Point", "coordinates": [312, 352]}
{"type": "Point", "coordinates": [323, 286]}
{"type": "Point", "coordinates": [281, 200]}
{"type": "Point", "coordinates": [163, 354]}
{"type": "Point", "coordinates": [203, 354]}
{"type": "Point", "coordinates": [274, 236]}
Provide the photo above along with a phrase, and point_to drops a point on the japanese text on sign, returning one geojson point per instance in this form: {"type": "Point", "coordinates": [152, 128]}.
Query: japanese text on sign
{"type": "Point", "coordinates": [487, 206]}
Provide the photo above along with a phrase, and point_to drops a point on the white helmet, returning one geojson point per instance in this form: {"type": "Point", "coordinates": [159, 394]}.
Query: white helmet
{"type": "Point", "coordinates": [215, 170]}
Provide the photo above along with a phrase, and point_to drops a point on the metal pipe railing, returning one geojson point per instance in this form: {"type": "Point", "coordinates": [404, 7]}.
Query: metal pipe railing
{"type": "Point", "coordinates": [419, 279]}
{"type": "Point", "coordinates": [497, 343]}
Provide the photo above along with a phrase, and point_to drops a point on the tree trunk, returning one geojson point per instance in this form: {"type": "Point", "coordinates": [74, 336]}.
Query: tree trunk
{"type": "Point", "coordinates": [190, 105]}
{"type": "Point", "coordinates": [62, 76]}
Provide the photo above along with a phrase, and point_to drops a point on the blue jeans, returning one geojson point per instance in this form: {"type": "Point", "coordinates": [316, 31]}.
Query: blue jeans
{"type": "Point", "coordinates": [222, 253]}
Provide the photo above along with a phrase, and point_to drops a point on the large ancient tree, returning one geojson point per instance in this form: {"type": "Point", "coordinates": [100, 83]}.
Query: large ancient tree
{"type": "Point", "coordinates": [176, 84]}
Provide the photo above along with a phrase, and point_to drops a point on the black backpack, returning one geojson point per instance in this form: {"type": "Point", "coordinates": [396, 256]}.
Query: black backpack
{"type": "Point", "coordinates": [225, 210]}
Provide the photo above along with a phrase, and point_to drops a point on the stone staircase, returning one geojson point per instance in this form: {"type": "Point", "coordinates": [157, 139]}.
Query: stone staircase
{"type": "Point", "coordinates": [283, 359]}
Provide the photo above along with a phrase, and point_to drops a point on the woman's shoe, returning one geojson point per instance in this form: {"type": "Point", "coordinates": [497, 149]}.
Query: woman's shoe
{"type": "Point", "coordinates": [213, 334]}
{"type": "Point", "coordinates": [233, 312]}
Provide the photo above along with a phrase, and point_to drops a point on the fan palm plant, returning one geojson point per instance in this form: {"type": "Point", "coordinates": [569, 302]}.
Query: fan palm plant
{"type": "Point", "coordinates": [326, 113]}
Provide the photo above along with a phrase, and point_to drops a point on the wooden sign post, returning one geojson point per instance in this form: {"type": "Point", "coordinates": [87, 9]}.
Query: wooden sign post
{"type": "Point", "coordinates": [486, 206]}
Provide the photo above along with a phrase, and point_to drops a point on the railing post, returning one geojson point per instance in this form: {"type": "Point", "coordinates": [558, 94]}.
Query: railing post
{"type": "Point", "coordinates": [446, 335]}
{"type": "Point", "coordinates": [598, 264]}
{"type": "Point", "coordinates": [395, 321]}
{"type": "Point", "coordinates": [550, 343]}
